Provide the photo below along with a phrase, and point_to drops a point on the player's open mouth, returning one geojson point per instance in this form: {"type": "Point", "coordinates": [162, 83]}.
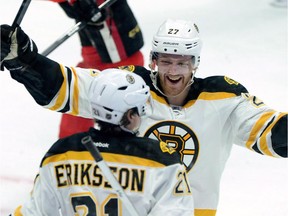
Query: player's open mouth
{"type": "Point", "coordinates": [173, 80]}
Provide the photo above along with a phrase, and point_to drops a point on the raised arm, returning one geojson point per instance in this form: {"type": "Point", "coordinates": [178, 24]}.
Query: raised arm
{"type": "Point", "coordinates": [41, 76]}
{"type": "Point", "coordinates": [51, 84]}
{"type": "Point", "coordinates": [260, 128]}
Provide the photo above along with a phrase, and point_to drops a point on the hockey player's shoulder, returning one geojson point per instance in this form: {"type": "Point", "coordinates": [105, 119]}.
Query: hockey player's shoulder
{"type": "Point", "coordinates": [214, 84]}
{"type": "Point", "coordinates": [67, 144]}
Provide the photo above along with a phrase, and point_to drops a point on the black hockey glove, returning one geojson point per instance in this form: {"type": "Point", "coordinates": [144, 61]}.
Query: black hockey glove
{"type": "Point", "coordinates": [87, 9]}
{"type": "Point", "coordinates": [17, 50]}
{"type": "Point", "coordinates": [84, 10]}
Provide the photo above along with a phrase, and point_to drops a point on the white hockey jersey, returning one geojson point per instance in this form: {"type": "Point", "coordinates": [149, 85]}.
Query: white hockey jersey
{"type": "Point", "coordinates": [71, 183]}
{"type": "Point", "coordinates": [217, 113]}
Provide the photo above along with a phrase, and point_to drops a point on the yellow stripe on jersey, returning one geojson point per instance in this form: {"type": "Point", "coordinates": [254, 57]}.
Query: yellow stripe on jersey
{"type": "Point", "coordinates": [127, 159]}
{"type": "Point", "coordinates": [215, 95]}
{"type": "Point", "coordinates": [257, 127]}
{"type": "Point", "coordinates": [62, 92]}
{"type": "Point", "coordinates": [202, 96]}
{"type": "Point", "coordinates": [17, 211]}
{"type": "Point", "coordinates": [263, 140]}
{"type": "Point", "coordinates": [204, 212]}
{"type": "Point", "coordinates": [158, 98]}
{"type": "Point", "coordinates": [189, 103]}
{"type": "Point", "coordinates": [108, 157]}
{"type": "Point", "coordinates": [210, 96]}
{"type": "Point", "coordinates": [75, 107]}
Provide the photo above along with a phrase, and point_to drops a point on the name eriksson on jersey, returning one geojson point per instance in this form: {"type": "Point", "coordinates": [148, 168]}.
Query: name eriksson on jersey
{"type": "Point", "coordinates": [90, 174]}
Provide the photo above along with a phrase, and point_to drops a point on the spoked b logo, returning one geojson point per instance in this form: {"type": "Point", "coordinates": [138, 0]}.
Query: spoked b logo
{"type": "Point", "coordinates": [179, 137]}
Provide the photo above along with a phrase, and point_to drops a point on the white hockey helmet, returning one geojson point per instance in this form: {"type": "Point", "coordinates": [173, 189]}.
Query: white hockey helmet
{"type": "Point", "coordinates": [178, 37]}
{"type": "Point", "coordinates": [114, 92]}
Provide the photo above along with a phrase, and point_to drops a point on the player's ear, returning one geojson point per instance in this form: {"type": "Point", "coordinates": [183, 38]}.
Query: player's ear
{"type": "Point", "coordinates": [130, 115]}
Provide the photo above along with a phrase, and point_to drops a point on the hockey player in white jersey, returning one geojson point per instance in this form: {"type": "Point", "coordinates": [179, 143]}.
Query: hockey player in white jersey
{"type": "Point", "coordinates": [153, 176]}
{"type": "Point", "coordinates": [199, 118]}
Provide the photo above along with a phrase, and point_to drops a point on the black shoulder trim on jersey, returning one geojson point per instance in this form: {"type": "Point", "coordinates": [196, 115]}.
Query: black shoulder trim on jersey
{"type": "Point", "coordinates": [142, 147]}
{"type": "Point", "coordinates": [70, 143]}
{"type": "Point", "coordinates": [121, 144]}
{"type": "Point", "coordinates": [215, 84]}
{"type": "Point", "coordinates": [69, 78]}
{"type": "Point", "coordinates": [279, 136]}
{"type": "Point", "coordinates": [220, 84]}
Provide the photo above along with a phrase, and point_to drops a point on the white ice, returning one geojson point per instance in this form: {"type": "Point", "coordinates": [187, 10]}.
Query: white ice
{"type": "Point", "coordinates": [244, 39]}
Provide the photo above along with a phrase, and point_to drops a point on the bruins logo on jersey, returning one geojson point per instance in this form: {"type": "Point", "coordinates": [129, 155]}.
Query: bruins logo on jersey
{"type": "Point", "coordinates": [166, 148]}
{"type": "Point", "coordinates": [130, 68]}
{"type": "Point", "coordinates": [178, 137]}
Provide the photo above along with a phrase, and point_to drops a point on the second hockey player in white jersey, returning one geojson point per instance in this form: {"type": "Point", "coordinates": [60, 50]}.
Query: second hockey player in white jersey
{"type": "Point", "coordinates": [71, 183]}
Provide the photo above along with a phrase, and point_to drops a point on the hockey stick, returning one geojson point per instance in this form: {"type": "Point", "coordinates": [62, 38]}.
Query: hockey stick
{"type": "Point", "coordinates": [17, 20]}
{"type": "Point", "coordinates": [92, 148]}
{"type": "Point", "coordinates": [76, 28]}
{"type": "Point", "coordinates": [20, 14]}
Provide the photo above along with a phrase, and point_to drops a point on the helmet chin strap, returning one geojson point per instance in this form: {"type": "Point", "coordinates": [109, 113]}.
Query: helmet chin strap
{"type": "Point", "coordinates": [154, 75]}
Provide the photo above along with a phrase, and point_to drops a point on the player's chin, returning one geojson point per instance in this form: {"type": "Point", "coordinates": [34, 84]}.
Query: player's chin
{"type": "Point", "coordinates": [174, 89]}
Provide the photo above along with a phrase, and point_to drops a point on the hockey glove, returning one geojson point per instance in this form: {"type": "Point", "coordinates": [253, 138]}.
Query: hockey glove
{"type": "Point", "coordinates": [84, 10]}
{"type": "Point", "coordinates": [87, 9]}
{"type": "Point", "coordinates": [18, 50]}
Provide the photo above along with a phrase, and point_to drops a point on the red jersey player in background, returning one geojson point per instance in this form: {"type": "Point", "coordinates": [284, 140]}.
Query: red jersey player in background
{"type": "Point", "coordinates": [114, 40]}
